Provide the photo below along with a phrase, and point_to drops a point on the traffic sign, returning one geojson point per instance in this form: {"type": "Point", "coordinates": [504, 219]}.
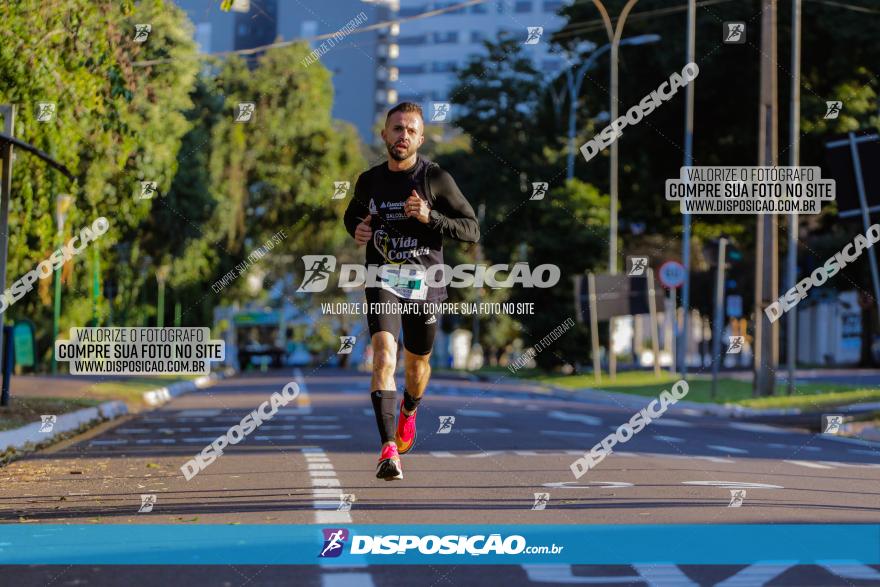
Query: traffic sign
{"type": "Point", "coordinates": [671, 274]}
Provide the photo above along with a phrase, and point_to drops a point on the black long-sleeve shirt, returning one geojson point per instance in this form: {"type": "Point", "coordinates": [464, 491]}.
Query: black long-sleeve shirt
{"type": "Point", "coordinates": [399, 240]}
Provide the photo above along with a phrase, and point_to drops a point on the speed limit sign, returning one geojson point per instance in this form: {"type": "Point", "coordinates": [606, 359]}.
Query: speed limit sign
{"type": "Point", "coordinates": [671, 274]}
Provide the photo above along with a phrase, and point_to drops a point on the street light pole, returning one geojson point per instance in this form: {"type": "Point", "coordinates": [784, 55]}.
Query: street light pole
{"type": "Point", "coordinates": [62, 205]}
{"type": "Point", "coordinates": [795, 146]}
{"type": "Point", "coordinates": [614, 34]}
{"type": "Point", "coordinates": [767, 245]}
{"type": "Point", "coordinates": [684, 340]}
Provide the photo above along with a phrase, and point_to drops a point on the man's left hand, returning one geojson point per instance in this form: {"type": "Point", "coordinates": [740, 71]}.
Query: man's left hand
{"type": "Point", "coordinates": [417, 208]}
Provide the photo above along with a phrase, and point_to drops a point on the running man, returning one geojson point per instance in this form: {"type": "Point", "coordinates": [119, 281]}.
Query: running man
{"type": "Point", "coordinates": [401, 210]}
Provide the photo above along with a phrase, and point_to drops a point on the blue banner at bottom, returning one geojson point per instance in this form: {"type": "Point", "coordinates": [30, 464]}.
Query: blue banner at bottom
{"type": "Point", "coordinates": [438, 544]}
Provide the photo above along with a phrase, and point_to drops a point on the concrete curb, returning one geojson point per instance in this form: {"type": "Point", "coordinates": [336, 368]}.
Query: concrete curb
{"type": "Point", "coordinates": [30, 434]}
{"type": "Point", "coordinates": [157, 397]}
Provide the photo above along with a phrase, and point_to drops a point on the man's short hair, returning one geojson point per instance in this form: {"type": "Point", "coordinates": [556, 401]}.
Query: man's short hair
{"type": "Point", "coordinates": [406, 107]}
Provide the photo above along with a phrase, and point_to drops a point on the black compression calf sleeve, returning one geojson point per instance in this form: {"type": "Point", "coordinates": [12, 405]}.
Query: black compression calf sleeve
{"type": "Point", "coordinates": [410, 403]}
{"type": "Point", "coordinates": [384, 404]}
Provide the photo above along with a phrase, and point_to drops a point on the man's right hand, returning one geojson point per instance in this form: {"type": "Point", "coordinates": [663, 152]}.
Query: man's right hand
{"type": "Point", "coordinates": [362, 232]}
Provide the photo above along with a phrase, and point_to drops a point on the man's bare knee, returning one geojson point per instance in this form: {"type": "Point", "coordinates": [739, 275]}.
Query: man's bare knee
{"type": "Point", "coordinates": [384, 357]}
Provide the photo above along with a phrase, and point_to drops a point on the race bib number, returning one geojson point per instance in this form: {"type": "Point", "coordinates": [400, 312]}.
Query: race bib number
{"type": "Point", "coordinates": [405, 282]}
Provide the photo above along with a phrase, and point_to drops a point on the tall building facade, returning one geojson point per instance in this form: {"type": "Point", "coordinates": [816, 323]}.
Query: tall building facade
{"type": "Point", "coordinates": [432, 50]}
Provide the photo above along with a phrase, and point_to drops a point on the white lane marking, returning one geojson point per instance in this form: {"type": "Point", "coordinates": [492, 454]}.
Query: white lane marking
{"type": "Point", "coordinates": [325, 485]}
{"type": "Point", "coordinates": [733, 484]}
{"type": "Point", "coordinates": [320, 426]}
{"type": "Point", "coordinates": [857, 465]}
{"type": "Point", "coordinates": [671, 422]}
{"type": "Point", "coordinates": [591, 484]}
{"type": "Point", "coordinates": [266, 438]}
{"type": "Point", "coordinates": [107, 442]}
{"type": "Point", "coordinates": [663, 575]}
{"type": "Point", "coordinates": [485, 454]}
{"type": "Point", "coordinates": [205, 413]}
{"type": "Point", "coordinates": [443, 454]}
{"type": "Point", "coordinates": [343, 579]}
{"type": "Point", "coordinates": [850, 569]}
{"type": "Point", "coordinates": [759, 573]}
{"type": "Point", "coordinates": [135, 430]}
{"type": "Point", "coordinates": [777, 445]}
{"type": "Point", "coordinates": [478, 413]}
{"type": "Point", "coordinates": [327, 436]}
{"type": "Point", "coordinates": [808, 464]}
{"type": "Point", "coordinates": [319, 466]}
{"type": "Point", "coordinates": [323, 418]}
{"type": "Point", "coordinates": [479, 430]}
{"type": "Point", "coordinates": [203, 439]}
{"type": "Point", "coordinates": [757, 428]}
{"type": "Point", "coordinates": [330, 473]}
{"type": "Point", "coordinates": [673, 439]}
{"type": "Point", "coordinates": [566, 433]}
{"type": "Point", "coordinates": [729, 449]}
{"type": "Point", "coordinates": [567, 417]}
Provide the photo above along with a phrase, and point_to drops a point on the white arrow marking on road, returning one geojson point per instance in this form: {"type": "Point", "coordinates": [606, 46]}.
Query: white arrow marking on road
{"type": "Point", "coordinates": [809, 464]}
{"type": "Point", "coordinates": [478, 413]}
{"type": "Point", "coordinates": [673, 439]}
{"type": "Point", "coordinates": [575, 485]}
{"type": "Point", "coordinates": [565, 416]}
{"type": "Point", "coordinates": [733, 484]}
{"type": "Point", "coordinates": [721, 448]}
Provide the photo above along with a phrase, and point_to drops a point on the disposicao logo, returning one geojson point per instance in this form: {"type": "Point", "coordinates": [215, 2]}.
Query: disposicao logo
{"type": "Point", "coordinates": [334, 540]}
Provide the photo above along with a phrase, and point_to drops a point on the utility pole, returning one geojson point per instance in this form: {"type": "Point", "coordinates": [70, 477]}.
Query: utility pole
{"type": "Point", "coordinates": [685, 336]}
{"type": "Point", "coordinates": [794, 139]}
{"type": "Point", "coordinates": [767, 246]}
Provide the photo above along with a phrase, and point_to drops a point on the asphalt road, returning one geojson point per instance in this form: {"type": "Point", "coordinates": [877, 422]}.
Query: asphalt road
{"type": "Point", "coordinates": [508, 442]}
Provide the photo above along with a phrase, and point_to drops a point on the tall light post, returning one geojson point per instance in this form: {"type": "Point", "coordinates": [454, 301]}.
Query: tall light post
{"type": "Point", "coordinates": [685, 338]}
{"type": "Point", "coordinates": [794, 138]}
{"type": "Point", "coordinates": [161, 277]}
{"type": "Point", "coordinates": [574, 81]}
{"type": "Point", "coordinates": [62, 207]}
{"type": "Point", "coordinates": [614, 34]}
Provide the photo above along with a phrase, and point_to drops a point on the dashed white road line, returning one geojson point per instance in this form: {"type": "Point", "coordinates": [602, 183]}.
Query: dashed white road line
{"type": "Point", "coordinates": [808, 464]}
{"type": "Point", "coordinates": [672, 439]}
{"type": "Point", "coordinates": [568, 417]}
{"type": "Point", "coordinates": [326, 490]}
{"type": "Point", "coordinates": [478, 413]}
{"type": "Point", "coordinates": [727, 449]}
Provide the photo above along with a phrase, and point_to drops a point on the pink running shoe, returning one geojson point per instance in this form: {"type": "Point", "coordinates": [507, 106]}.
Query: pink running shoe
{"type": "Point", "coordinates": [389, 464]}
{"type": "Point", "coordinates": [405, 437]}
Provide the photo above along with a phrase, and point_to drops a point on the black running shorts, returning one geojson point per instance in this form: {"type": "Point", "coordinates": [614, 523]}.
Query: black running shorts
{"type": "Point", "coordinates": [419, 327]}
